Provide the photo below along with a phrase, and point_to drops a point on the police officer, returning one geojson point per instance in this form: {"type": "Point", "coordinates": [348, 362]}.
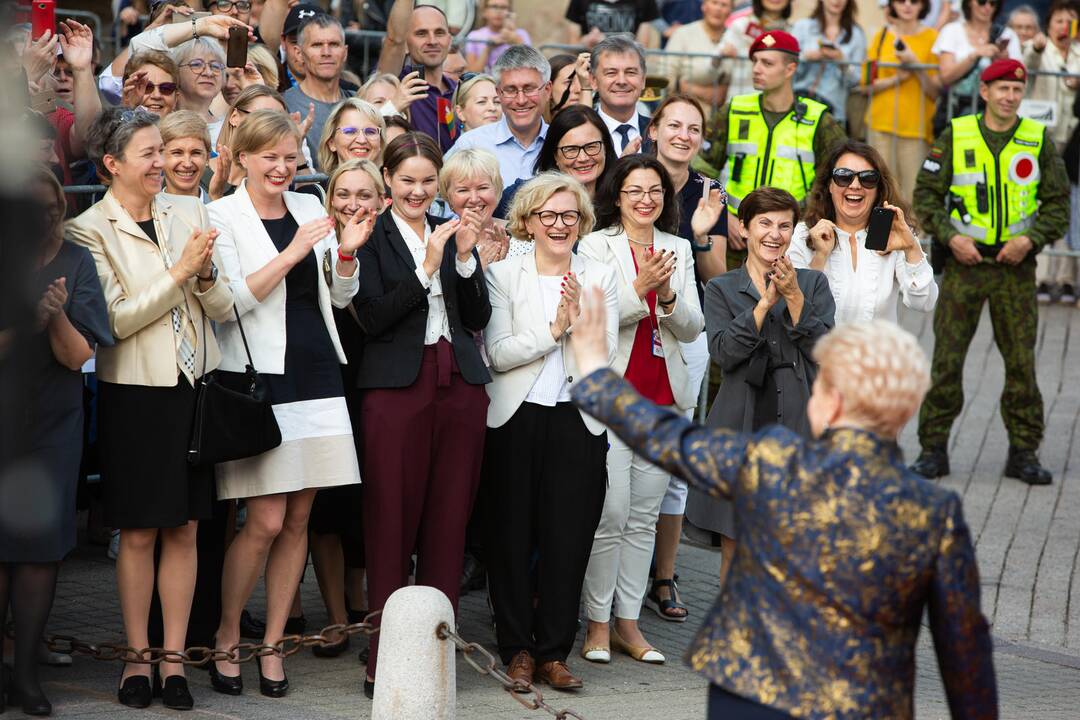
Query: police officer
{"type": "Point", "coordinates": [769, 137]}
{"type": "Point", "coordinates": [993, 190]}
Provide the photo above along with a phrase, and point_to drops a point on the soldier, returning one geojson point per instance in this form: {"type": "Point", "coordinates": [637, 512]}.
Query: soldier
{"type": "Point", "coordinates": [993, 190]}
{"type": "Point", "coordinates": [769, 137]}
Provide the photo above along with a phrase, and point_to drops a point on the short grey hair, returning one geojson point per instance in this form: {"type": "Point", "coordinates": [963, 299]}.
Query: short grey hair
{"type": "Point", "coordinates": [321, 20]}
{"type": "Point", "coordinates": [521, 57]}
{"type": "Point", "coordinates": [112, 131]}
{"type": "Point", "coordinates": [1026, 10]}
{"type": "Point", "coordinates": [617, 44]}
{"type": "Point", "coordinates": [197, 46]}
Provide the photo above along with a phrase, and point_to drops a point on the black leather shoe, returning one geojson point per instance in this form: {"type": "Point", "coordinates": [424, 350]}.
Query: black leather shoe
{"type": "Point", "coordinates": [175, 694]}
{"type": "Point", "coordinates": [296, 625]}
{"type": "Point", "coordinates": [225, 684]}
{"type": "Point", "coordinates": [32, 703]}
{"type": "Point", "coordinates": [473, 575]}
{"type": "Point", "coordinates": [1024, 465]}
{"type": "Point", "coordinates": [251, 627]}
{"type": "Point", "coordinates": [932, 463]}
{"type": "Point", "coordinates": [331, 651]}
{"type": "Point", "coordinates": [364, 655]}
{"type": "Point", "coordinates": [271, 688]}
{"type": "Point", "coordinates": [135, 692]}
{"type": "Point", "coordinates": [369, 689]}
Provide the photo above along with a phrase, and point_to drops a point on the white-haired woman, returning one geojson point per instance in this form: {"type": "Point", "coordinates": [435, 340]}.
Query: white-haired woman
{"type": "Point", "coordinates": [202, 76]}
{"type": "Point", "coordinates": [840, 546]}
{"type": "Point", "coordinates": [353, 131]}
{"type": "Point", "coordinates": [544, 468]}
{"type": "Point", "coordinates": [471, 185]}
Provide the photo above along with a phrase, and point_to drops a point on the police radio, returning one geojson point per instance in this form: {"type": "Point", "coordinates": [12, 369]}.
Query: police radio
{"type": "Point", "coordinates": [797, 116]}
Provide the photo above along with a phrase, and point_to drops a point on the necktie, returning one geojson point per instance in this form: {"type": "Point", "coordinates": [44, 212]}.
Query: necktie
{"type": "Point", "coordinates": [624, 133]}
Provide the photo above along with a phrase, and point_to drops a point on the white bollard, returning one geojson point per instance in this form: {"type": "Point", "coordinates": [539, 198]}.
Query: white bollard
{"type": "Point", "coordinates": [416, 677]}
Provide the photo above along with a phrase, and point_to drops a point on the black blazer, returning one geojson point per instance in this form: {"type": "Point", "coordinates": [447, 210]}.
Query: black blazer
{"type": "Point", "coordinates": [392, 307]}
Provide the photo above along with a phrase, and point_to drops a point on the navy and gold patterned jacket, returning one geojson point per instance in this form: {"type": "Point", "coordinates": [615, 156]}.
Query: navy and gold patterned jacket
{"type": "Point", "coordinates": [840, 549]}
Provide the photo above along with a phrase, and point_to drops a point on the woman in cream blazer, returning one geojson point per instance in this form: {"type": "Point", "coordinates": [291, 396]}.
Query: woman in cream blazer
{"type": "Point", "coordinates": [288, 272]}
{"type": "Point", "coordinates": [658, 309]}
{"type": "Point", "coordinates": [544, 462]}
{"type": "Point", "coordinates": [153, 254]}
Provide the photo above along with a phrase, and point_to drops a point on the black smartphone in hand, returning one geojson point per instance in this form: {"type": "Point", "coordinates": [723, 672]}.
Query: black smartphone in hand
{"type": "Point", "coordinates": [877, 237]}
{"type": "Point", "coordinates": [237, 49]}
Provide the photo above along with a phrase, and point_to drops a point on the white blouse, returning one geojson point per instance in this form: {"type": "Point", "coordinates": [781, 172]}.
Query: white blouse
{"type": "Point", "coordinates": [870, 290]}
{"type": "Point", "coordinates": [550, 387]}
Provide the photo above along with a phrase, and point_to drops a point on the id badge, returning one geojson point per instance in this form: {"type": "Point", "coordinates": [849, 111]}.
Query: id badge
{"type": "Point", "coordinates": [657, 345]}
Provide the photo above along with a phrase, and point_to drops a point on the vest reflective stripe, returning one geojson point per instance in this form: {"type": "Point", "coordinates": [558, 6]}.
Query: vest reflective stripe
{"type": "Point", "coordinates": [1007, 183]}
{"type": "Point", "coordinates": [782, 157]}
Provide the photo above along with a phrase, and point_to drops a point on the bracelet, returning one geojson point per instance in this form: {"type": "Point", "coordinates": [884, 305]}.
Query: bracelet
{"type": "Point", "coordinates": [194, 30]}
{"type": "Point", "coordinates": [670, 302]}
{"type": "Point", "coordinates": [345, 258]}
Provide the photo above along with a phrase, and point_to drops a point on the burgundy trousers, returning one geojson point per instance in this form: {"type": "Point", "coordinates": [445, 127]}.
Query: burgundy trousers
{"type": "Point", "coordinates": [423, 446]}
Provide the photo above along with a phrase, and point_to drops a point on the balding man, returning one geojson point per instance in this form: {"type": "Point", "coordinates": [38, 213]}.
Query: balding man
{"type": "Point", "coordinates": [418, 38]}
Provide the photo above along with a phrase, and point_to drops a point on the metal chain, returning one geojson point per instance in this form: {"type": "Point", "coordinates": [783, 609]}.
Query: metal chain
{"type": "Point", "coordinates": [524, 692]}
{"type": "Point", "coordinates": [199, 656]}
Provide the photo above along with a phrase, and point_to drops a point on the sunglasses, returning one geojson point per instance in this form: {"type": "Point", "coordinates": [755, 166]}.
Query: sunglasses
{"type": "Point", "coordinates": [165, 88]}
{"type": "Point", "coordinates": [843, 177]}
{"type": "Point", "coordinates": [984, 3]}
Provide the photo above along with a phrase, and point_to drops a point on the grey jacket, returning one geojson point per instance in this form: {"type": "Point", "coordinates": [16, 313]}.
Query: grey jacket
{"type": "Point", "coordinates": [741, 351]}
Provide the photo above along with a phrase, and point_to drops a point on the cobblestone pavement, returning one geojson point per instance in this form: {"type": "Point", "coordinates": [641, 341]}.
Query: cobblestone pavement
{"type": "Point", "coordinates": [1027, 544]}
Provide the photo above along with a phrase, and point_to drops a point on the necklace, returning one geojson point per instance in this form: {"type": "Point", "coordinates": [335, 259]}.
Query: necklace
{"type": "Point", "coordinates": [636, 242]}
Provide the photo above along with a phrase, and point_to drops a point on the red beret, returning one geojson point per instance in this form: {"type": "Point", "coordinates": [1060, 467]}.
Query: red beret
{"type": "Point", "coordinates": [1007, 69]}
{"type": "Point", "coordinates": [775, 40]}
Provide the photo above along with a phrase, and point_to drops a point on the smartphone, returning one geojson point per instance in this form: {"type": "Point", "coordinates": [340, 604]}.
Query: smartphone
{"type": "Point", "coordinates": [899, 45]}
{"type": "Point", "coordinates": [237, 49]}
{"type": "Point", "coordinates": [877, 237]}
{"type": "Point", "coordinates": [410, 68]}
{"type": "Point", "coordinates": [826, 44]}
{"type": "Point", "coordinates": [42, 17]}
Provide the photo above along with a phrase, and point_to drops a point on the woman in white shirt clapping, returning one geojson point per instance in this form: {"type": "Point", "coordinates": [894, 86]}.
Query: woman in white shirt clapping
{"type": "Point", "coordinates": [865, 284]}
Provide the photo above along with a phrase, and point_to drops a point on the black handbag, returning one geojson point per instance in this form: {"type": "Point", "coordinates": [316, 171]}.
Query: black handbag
{"type": "Point", "coordinates": [232, 424]}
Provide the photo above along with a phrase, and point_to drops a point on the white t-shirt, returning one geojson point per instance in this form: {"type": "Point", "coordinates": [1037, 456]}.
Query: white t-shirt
{"type": "Point", "coordinates": [954, 39]}
{"type": "Point", "coordinates": [550, 386]}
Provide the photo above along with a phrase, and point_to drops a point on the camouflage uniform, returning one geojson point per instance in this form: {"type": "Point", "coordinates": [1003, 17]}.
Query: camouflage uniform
{"type": "Point", "coordinates": [1010, 290]}
{"type": "Point", "coordinates": [712, 160]}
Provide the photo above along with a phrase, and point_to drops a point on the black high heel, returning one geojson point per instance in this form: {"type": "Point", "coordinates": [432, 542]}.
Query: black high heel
{"type": "Point", "coordinates": [3, 685]}
{"type": "Point", "coordinates": [271, 688]}
{"type": "Point", "coordinates": [225, 684]}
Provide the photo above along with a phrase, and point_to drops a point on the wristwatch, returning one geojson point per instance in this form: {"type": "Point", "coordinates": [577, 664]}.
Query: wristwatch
{"type": "Point", "coordinates": [213, 274]}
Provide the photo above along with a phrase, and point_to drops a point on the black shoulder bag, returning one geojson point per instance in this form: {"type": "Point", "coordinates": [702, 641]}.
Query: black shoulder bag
{"type": "Point", "coordinates": [231, 424]}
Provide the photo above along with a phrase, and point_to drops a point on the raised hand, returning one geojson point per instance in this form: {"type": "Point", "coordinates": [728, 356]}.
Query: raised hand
{"type": "Point", "coordinates": [654, 272]}
{"type": "Point", "coordinates": [437, 243]}
{"type": "Point", "coordinates": [307, 236]}
{"type": "Point", "coordinates": [784, 278]}
{"type": "Point", "coordinates": [357, 231]}
{"type": "Point", "coordinates": [39, 56]}
{"type": "Point", "coordinates": [77, 43]}
{"type": "Point", "coordinates": [468, 234]}
{"type": "Point", "coordinates": [217, 26]}
{"type": "Point", "coordinates": [572, 294]}
{"type": "Point", "coordinates": [708, 210]}
{"type": "Point", "coordinates": [823, 237]}
{"type": "Point", "coordinates": [219, 181]}
{"type": "Point", "coordinates": [307, 122]}
{"type": "Point", "coordinates": [131, 96]}
{"type": "Point", "coordinates": [736, 237]}
{"type": "Point", "coordinates": [900, 235]}
{"type": "Point", "coordinates": [632, 148]}
{"type": "Point", "coordinates": [589, 340]}
{"type": "Point", "coordinates": [581, 69]}
{"type": "Point", "coordinates": [196, 256]}
{"type": "Point", "coordinates": [166, 16]}
{"type": "Point", "coordinates": [493, 246]}
{"type": "Point", "coordinates": [412, 88]}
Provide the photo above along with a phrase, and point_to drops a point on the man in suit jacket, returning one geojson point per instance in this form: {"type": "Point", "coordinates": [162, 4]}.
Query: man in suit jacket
{"type": "Point", "coordinates": [618, 75]}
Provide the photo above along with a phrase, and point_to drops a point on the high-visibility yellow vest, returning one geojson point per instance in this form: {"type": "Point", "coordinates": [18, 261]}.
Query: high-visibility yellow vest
{"type": "Point", "coordinates": [994, 198]}
{"type": "Point", "coordinates": [782, 157]}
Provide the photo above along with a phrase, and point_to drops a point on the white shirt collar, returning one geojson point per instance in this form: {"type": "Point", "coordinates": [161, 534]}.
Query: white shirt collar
{"type": "Point", "coordinates": [612, 124]}
{"type": "Point", "coordinates": [413, 240]}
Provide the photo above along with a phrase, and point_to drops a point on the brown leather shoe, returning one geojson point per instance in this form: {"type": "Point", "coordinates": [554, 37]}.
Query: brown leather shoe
{"type": "Point", "coordinates": [557, 675]}
{"type": "Point", "coordinates": [521, 669]}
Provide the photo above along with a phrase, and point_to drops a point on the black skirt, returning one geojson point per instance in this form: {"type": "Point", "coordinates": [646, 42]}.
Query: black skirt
{"type": "Point", "coordinates": [144, 434]}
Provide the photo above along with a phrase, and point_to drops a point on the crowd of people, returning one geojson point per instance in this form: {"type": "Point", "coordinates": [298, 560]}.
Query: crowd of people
{"type": "Point", "coordinates": [399, 265]}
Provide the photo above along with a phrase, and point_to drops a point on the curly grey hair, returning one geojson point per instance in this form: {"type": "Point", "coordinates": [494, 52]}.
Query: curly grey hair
{"type": "Point", "coordinates": [111, 133]}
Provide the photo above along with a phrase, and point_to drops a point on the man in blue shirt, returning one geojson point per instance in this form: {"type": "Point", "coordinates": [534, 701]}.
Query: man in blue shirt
{"type": "Point", "coordinates": [522, 80]}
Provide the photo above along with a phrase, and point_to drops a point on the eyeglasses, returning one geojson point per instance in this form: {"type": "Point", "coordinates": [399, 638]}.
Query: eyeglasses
{"type": "Point", "coordinates": [987, 2]}
{"type": "Point", "coordinates": [591, 149]}
{"type": "Point", "coordinates": [371, 134]}
{"type": "Point", "coordinates": [637, 194]}
{"type": "Point", "coordinates": [843, 177]}
{"type": "Point", "coordinates": [907, 2]}
{"type": "Point", "coordinates": [548, 217]}
{"type": "Point", "coordinates": [197, 66]}
{"type": "Point", "coordinates": [529, 91]}
{"type": "Point", "coordinates": [165, 88]}
{"type": "Point", "coordinates": [496, 7]}
{"type": "Point", "coordinates": [226, 5]}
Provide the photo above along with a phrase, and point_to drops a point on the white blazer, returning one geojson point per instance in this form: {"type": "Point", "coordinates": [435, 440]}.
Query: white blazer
{"type": "Point", "coordinates": [245, 247]}
{"type": "Point", "coordinates": [518, 337]}
{"type": "Point", "coordinates": [683, 323]}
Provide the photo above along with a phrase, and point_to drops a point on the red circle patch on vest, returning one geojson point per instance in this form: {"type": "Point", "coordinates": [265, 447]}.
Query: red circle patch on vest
{"type": "Point", "coordinates": [1023, 169]}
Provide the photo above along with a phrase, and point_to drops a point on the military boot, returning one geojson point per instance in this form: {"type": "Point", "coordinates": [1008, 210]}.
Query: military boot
{"type": "Point", "coordinates": [1024, 465]}
{"type": "Point", "coordinates": [932, 463]}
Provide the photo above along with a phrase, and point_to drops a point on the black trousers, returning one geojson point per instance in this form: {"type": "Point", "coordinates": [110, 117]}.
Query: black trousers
{"type": "Point", "coordinates": [544, 480]}
{"type": "Point", "coordinates": [728, 706]}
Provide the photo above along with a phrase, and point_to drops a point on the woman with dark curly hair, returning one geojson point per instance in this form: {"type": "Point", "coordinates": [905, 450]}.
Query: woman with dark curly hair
{"type": "Point", "coordinates": [865, 284]}
{"type": "Point", "coordinates": [638, 213]}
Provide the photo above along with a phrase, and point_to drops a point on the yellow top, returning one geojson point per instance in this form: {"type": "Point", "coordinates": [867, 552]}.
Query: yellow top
{"type": "Point", "coordinates": [906, 110]}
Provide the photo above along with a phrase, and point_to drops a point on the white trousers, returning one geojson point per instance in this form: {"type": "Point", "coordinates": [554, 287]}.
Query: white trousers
{"type": "Point", "coordinates": [622, 549]}
{"type": "Point", "coordinates": [696, 355]}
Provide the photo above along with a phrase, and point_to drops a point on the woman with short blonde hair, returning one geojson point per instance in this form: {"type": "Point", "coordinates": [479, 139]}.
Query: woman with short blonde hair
{"type": "Point", "coordinates": [476, 102]}
{"type": "Point", "coordinates": [187, 150]}
{"type": "Point", "coordinates": [471, 185]}
{"type": "Point", "coordinates": [354, 129]}
{"type": "Point", "coordinates": [297, 350]}
{"type": "Point", "coordinates": [228, 174]}
{"type": "Point", "coordinates": [554, 456]}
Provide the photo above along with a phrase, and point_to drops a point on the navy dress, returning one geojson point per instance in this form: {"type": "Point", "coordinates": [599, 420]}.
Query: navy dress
{"type": "Point", "coordinates": [38, 519]}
